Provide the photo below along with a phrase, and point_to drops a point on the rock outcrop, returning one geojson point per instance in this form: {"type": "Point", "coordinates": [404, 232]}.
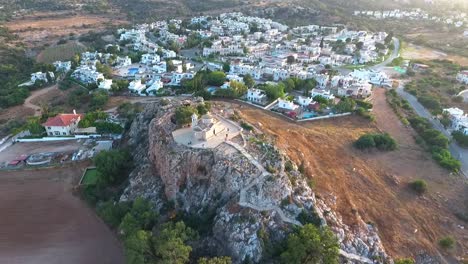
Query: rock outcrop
{"type": "Point", "coordinates": [242, 189]}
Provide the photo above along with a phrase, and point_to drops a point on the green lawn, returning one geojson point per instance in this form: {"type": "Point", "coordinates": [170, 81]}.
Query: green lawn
{"type": "Point", "coordinates": [90, 177]}
{"type": "Point", "coordinates": [61, 52]}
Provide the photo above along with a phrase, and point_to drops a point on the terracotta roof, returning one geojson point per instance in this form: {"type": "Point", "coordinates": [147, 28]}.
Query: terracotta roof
{"type": "Point", "coordinates": [62, 119]}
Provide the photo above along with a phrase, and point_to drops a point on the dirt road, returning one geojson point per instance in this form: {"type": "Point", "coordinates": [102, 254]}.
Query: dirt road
{"type": "Point", "coordinates": [44, 223]}
{"type": "Point", "coordinates": [28, 102]}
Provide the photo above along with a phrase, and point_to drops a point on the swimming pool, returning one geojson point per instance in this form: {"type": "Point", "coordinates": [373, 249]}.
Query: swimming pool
{"type": "Point", "coordinates": [132, 71]}
{"type": "Point", "coordinates": [212, 89]}
{"type": "Point", "coordinates": [308, 115]}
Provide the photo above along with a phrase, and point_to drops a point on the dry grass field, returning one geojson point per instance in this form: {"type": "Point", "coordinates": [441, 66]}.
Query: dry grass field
{"type": "Point", "coordinates": [374, 185]}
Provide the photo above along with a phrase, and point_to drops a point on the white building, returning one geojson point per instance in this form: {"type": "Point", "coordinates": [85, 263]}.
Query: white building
{"type": "Point", "coordinates": [150, 59]}
{"type": "Point", "coordinates": [62, 124]}
{"type": "Point", "coordinates": [288, 105]}
{"type": "Point", "coordinates": [155, 86]}
{"type": "Point", "coordinates": [87, 75]}
{"type": "Point", "coordinates": [459, 119]}
{"type": "Point", "coordinates": [105, 84]}
{"type": "Point", "coordinates": [323, 93]}
{"type": "Point", "coordinates": [62, 66]}
{"type": "Point", "coordinates": [256, 96]}
{"type": "Point", "coordinates": [463, 77]}
{"type": "Point", "coordinates": [137, 87]}
{"type": "Point", "coordinates": [304, 101]}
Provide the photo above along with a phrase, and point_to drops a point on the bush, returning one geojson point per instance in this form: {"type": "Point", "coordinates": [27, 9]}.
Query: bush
{"type": "Point", "coordinates": [246, 126]}
{"type": "Point", "coordinates": [419, 186]}
{"type": "Point", "coordinates": [445, 159]}
{"type": "Point", "coordinates": [365, 142]}
{"type": "Point", "coordinates": [460, 138]}
{"type": "Point", "coordinates": [404, 261]}
{"type": "Point", "coordinates": [382, 142]}
{"type": "Point", "coordinates": [447, 242]}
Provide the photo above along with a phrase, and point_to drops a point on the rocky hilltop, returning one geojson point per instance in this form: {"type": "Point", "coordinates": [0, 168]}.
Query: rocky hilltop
{"type": "Point", "coordinates": [247, 192]}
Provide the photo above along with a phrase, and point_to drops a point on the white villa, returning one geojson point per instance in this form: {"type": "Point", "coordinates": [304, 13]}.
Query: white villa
{"type": "Point", "coordinates": [62, 66]}
{"type": "Point", "coordinates": [62, 124]}
{"type": "Point", "coordinates": [136, 86]}
{"type": "Point", "coordinates": [256, 96]}
{"type": "Point", "coordinates": [288, 105]}
{"type": "Point", "coordinates": [105, 84]}
{"type": "Point", "coordinates": [87, 75]}
{"type": "Point", "coordinates": [323, 93]}
{"type": "Point", "coordinates": [463, 77]}
{"type": "Point", "coordinates": [459, 119]}
{"type": "Point", "coordinates": [150, 59]}
{"type": "Point", "coordinates": [304, 101]}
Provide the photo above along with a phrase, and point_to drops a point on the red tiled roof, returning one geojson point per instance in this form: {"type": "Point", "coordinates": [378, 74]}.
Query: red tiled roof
{"type": "Point", "coordinates": [62, 119]}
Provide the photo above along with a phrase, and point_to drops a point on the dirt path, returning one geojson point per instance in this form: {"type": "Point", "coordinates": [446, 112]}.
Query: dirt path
{"type": "Point", "coordinates": [44, 223]}
{"type": "Point", "coordinates": [28, 102]}
{"type": "Point", "coordinates": [373, 186]}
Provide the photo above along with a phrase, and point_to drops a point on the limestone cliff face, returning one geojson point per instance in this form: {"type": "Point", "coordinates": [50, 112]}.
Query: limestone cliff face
{"type": "Point", "coordinates": [242, 184]}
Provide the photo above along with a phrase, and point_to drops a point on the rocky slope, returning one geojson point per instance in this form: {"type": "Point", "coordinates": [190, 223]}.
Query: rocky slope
{"type": "Point", "coordinates": [248, 187]}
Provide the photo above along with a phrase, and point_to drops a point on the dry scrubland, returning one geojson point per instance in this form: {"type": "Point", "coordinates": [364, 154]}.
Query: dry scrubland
{"type": "Point", "coordinates": [374, 185]}
{"type": "Point", "coordinates": [47, 28]}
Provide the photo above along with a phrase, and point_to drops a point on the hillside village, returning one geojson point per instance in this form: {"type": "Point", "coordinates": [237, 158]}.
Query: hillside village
{"type": "Point", "coordinates": [253, 59]}
{"type": "Point", "coordinates": [455, 20]}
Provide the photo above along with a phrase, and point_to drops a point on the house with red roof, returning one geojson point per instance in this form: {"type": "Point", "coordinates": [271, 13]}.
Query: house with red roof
{"type": "Point", "coordinates": [62, 124]}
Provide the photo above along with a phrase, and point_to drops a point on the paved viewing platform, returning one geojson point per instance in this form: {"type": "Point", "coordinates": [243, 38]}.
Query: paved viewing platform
{"type": "Point", "coordinates": [223, 130]}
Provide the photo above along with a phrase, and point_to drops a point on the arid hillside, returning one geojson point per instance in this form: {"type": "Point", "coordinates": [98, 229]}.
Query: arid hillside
{"type": "Point", "coordinates": [374, 186]}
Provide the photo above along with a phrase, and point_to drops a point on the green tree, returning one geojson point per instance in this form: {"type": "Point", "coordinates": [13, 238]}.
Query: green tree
{"type": "Point", "coordinates": [169, 245]}
{"type": "Point", "coordinates": [183, 115]}
{"type": "Point", "coordinates": [112, 166]}
{"type": "Point", "coordinates": [138, 247]}
{"type": "Point", "coordinates": [238, 87]}
{"type": "Point", "coordinates": [274, 91]}
{"type": "Point", "coordinates": [113, 212]}
{"type": "Point", "coordinates": [99, 99]}
{"type": "Point", "coordinates": [311, 245]}
{"type": "Point", "coordinates": [226, 67]}
{"type": "Point", "coordinates": [248, 80]}
{"type": "Point", "coordinates": [345, 105]}
{"type": "Point", "coordinates": [216, 78]}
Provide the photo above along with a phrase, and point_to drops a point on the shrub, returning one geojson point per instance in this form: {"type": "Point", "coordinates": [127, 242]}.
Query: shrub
{"type": "Point", "coordinates": [246, 126]}
{"type": "Point", "coordinates": [447, 242]}
{"type": "Point", "coordinates": [382, 142]}
{"type": "Point", "coordinates": [445, 159]}
{"type": "Point", "coordinates": [460, 138]}
{"type": "Point", "coordinates": [419, 186]}
{"type": "Point", "coordinates": [404, 261]}
{"type": "Point", "coordinates": [364, 142]}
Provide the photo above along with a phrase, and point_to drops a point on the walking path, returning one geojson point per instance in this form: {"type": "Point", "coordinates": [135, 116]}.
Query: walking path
{"type": "Point", "coordinates": [256, 181]}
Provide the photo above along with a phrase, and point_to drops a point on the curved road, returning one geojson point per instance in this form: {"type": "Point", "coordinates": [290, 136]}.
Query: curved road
{"type": "Point", "coordinates": [395, 54]}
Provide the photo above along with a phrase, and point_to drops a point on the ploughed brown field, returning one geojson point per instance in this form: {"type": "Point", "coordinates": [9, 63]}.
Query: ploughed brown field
{"type": "Point", "coordinates": [43, 222]}
{"type": "Point", "coordinates": [375, 184]}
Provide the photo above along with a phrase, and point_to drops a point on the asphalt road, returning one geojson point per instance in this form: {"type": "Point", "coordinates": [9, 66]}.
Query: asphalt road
{"type": "Point", "coordinates": [457, 151]}
{"type": "Point", "coordinates": [395, 54]}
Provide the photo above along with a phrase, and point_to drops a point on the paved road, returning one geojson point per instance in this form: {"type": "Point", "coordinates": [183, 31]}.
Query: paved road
{"type": "Point", "coordinates": [457, 151]}
{"type": "Point", "coordinates": [395, 54]}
